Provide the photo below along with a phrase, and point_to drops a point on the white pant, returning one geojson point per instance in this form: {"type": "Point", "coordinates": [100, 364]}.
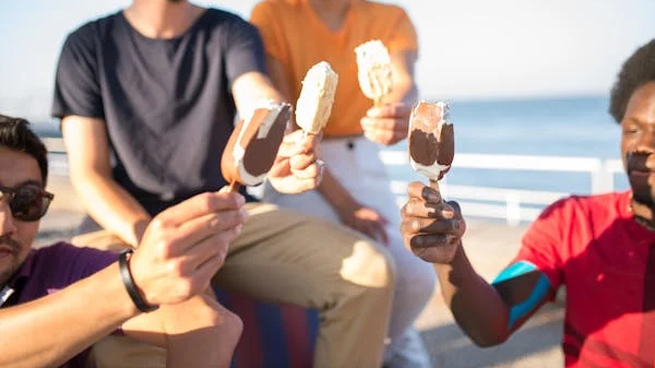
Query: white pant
{"type": "Point", "coordinates": [356, 164]}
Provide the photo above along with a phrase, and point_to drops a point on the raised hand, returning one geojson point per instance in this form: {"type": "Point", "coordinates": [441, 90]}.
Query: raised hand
{"type": "Point", "coordinates": [387, 124]}
{"type": "Point", "coordinates": [365, 220]}
{"type": "Point", "coordinates": [297, 168]}
{"type": "Point", "coordinates": [185, 245]}
{"type": "Point", "coordinates": [431, 228]}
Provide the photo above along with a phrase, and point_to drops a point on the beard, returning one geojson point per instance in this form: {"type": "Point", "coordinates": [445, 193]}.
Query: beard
{"type": "Point", "coordinates": [642, 190]}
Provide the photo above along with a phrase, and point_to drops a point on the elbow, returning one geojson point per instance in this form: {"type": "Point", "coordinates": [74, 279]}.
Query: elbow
{"type": "Point", "coordinates": [488, 342]}
{"type": "Point", "coordinates": [487, 339]}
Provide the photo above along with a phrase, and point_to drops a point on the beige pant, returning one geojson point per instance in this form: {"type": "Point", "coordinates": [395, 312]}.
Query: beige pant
{"type": "Point", "coordinates": [285, 257]}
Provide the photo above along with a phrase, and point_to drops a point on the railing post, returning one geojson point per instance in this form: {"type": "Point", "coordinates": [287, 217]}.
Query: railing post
{"type": "Point", "coordinates": [513, 213]}
{"type": "Point", "coordinates": [602, 180]}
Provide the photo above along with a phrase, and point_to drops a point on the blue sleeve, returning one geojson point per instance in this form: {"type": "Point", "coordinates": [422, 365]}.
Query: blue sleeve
{"type": "Point", "coordinates": [77, 85]}
{"type": "Point", "coordinates": [524, 289]}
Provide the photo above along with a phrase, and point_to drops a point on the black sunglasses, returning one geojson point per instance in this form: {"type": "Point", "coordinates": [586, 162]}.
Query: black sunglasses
{"type": "Point", "coordinates": [28, 202]}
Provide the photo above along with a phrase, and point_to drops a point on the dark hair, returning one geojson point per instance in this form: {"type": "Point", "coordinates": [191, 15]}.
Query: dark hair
{"type": "Point", "coordinates": [16, 134]}
{"type": "Point", "coordinates": [638, 70]}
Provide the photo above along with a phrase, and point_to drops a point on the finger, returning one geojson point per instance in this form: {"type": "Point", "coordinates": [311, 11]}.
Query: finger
{"type": "Point", "coordinates": [281, 167]}
{"type": "Point", "coordinates": [206, 270]}
{"type": "Point", "coordinates": [398, 109]}
{"type": "Point", "coordinates": [195, 231]}
{"type": "Point", "coordinates": [311, 172]}
{"type": "Point", "coordinates": [430, 241]}
{"type": "Point", "coordinates": [300, 162]}
{"type": "Point", "coordinates": [430, 226]}
{"type": "Point", "coordinates": [219, 243]}
{"type": "Point", "coordinates": [418, 209]}
{"type": "Point", "coordinates": [418, 190]}
{"type": "Point", "coordinates": [440, 254]}
{"type": "Point", "coordinates": [199, 205]}
{"type": "Point", "coordinates": [385, 136]}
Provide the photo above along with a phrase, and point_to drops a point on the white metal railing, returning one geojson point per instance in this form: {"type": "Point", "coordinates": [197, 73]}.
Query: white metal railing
{"type": "Point", "coordinates": [512, 210]}
{"type": "Point", "coordinates": [514, 204]}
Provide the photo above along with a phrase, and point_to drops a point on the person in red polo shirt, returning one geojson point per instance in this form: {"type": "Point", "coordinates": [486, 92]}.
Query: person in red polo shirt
{"type": "Point", "coordinates": [55, 302]}
{"type": "Point", "coordinates": [602, 247]}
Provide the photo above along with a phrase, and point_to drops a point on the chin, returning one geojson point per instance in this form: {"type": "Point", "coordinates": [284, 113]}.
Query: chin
{"type": "Point", "coordinates": [645, 197]}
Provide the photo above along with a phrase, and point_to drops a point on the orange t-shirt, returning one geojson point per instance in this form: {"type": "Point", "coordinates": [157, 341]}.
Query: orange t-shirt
{"type": "Point", "coordinates": [294, 35]}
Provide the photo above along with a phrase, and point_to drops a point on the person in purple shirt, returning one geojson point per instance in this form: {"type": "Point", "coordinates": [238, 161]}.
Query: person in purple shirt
{"type": "Point", "coordinates": [55, 302]}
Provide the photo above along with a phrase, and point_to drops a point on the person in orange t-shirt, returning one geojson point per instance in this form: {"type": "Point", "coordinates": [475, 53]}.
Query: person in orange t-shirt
{"type": "Point", "coordinates": [355, 188]}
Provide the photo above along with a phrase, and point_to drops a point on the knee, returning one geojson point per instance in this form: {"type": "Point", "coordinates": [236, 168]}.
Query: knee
{"type": "Point", "coordinates": [370, 266]}
{"type": "Point", "coordinates": [232, 327]}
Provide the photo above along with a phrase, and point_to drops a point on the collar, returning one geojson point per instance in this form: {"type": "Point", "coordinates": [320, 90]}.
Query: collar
{"type": "Point", "coordinates": [24, 271]}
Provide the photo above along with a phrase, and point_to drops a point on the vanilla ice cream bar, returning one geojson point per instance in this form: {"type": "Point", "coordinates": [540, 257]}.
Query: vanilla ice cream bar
{"type": "Point", "coordinates": [253, 145]}
{"type": "Point", "coordinates": [316, 98]}
{"type": "Point", "coordinates": [431, 139]}
{"type": "Point", "coordinates": [374, 70]}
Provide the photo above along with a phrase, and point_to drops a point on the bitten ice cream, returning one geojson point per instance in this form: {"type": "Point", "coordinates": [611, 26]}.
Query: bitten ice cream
{"type": "Point", "coordinates": [431, 140]}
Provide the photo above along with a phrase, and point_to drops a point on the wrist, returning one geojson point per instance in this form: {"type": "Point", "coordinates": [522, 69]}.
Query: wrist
{"type": "Point", "coordinates": [130, 286]}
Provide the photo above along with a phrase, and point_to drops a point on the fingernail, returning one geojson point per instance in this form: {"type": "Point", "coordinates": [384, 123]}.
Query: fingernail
{"type": "Point", "coordinates": [243, 214]}
{"type": "Point", "coordinates": [433, 197]}
{"type": "Point", "coordinates": [456, 225]}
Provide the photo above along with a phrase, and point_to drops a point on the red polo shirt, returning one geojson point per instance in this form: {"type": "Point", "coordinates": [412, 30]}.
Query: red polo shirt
{"type": "Point", "coordinates": [607, 262]}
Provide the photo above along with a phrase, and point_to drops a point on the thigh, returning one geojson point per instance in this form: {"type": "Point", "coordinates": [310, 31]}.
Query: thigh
{"type": "Point", "coordinates": [284, 256]}
{"type": "Point", "coordinates": [310, 202]}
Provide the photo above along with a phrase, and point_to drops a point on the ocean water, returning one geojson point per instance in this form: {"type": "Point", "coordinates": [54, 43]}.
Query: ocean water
{"type": "Point", "coordinates": [577, 127]}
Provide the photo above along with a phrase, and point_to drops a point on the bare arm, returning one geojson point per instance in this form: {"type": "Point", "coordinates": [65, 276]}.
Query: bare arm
{"type": "Point", "coordinates": [182, 249]}
{"type": "Point", "coordinates": [404, 86]}
{"type": "Point", "coordinates": [487, 313]}
{"type": "Point", "coordinates": [90, 171]}
{"type": "Point", "coordinates": [72, 320]}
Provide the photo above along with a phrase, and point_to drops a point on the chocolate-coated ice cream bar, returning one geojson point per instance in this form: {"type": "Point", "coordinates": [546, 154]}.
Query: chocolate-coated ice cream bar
{"type": "Point", "coordinates": [254, 143]}
{"type": "Point", "coordinates": [431, 140]}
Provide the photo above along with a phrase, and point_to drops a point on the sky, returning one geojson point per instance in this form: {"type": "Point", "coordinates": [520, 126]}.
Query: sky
{"type": "Point", "coordinates": [469, 49]}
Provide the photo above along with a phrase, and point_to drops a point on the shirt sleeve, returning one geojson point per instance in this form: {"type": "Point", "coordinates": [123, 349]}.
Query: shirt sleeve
{"type": "Point", "coordinates": [84, 262]}
{"type": "Point", "coordinates": [77, 86]}
{"type": "Point", "coordinates": [267, 20]}
{"type": "Point", "coordinates": [543, 241]}
{"type": "Point", "coordinates": [403, 37]}
{"type": "Point", "coordinates": [245, 51]}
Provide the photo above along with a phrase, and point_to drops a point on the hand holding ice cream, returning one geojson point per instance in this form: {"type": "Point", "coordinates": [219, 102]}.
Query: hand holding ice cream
{"type": "Point", "coordinates": [431, 228]}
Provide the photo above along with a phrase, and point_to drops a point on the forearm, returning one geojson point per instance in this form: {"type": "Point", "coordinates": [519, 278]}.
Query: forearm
{"type": "Point", "coordinates": [112, 206]}
{"type": "Point", "coordinates": [476, 306]}
{"type": "Point", "coordinates": [335, 194]}
{"type": "Point", "coordinates": [404, 91]}
{"type": "Point", "coordinates": [49, 331]}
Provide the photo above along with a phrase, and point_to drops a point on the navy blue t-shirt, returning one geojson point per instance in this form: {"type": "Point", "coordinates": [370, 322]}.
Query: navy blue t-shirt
{"type": "Point", "coordinates": [167, 103]}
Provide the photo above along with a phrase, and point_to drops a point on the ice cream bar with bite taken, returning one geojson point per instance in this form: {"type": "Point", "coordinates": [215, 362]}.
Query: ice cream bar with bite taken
{"type": "Point", "coordinates": [253, 145]}
{"type": "Point", "coordinates": [431, 140]}
{"type": "Point", "coordinates": [316, 98]}
{"type": "Point", "coordinates": [374, 70]}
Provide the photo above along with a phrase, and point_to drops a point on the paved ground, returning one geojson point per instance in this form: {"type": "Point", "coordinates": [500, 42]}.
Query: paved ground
{"type": "Point", "coordinates": [490, 245]}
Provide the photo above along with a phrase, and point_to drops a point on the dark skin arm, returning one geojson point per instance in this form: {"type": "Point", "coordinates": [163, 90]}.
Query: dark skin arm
{"type": "Point", "coordinates": [433, 230]}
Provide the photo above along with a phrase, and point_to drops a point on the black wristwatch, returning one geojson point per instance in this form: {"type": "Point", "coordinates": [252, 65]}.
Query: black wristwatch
{"type": "Point", "coordinates": [128, 281]}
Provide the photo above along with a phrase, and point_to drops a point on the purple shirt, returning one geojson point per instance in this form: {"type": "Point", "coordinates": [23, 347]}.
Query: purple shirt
{"type": "Point", "coordinates": [53, 268]}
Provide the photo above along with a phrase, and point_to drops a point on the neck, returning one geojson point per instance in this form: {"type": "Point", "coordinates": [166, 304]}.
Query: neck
{"type": "Point", "coordinates": [331, 12]}
{"type": "Point", "coordinates": [643, 214]}
{"type": "Point", "coordinates": [162, 18]}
